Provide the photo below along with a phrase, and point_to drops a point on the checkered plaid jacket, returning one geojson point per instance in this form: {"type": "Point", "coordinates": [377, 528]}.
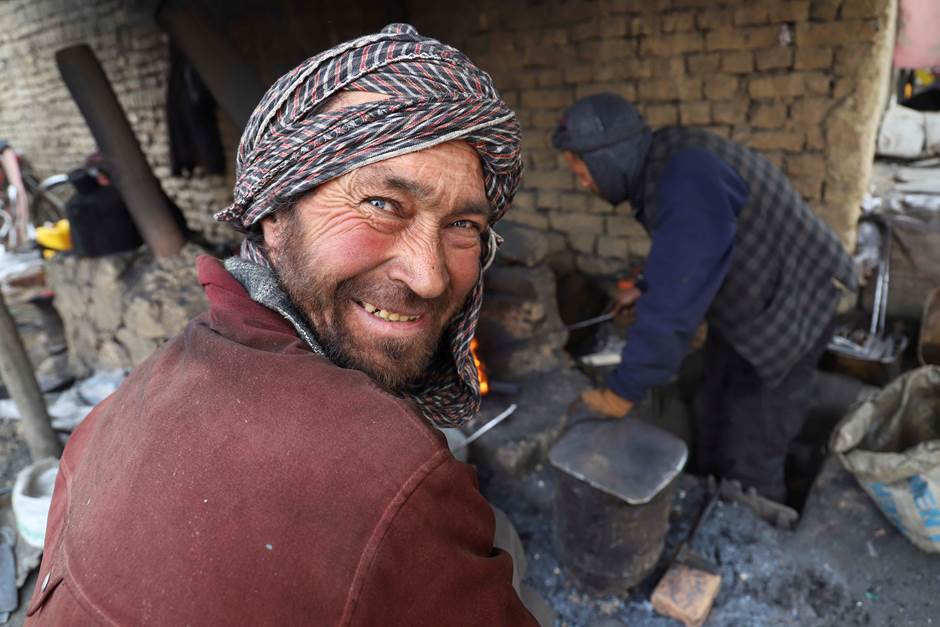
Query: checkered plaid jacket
{"type": "Point", "coordinates": [781, 290]}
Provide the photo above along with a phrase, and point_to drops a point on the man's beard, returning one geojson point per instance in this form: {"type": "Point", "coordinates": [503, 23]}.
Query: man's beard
{"type": "Point", "coordinates": [394, 363]}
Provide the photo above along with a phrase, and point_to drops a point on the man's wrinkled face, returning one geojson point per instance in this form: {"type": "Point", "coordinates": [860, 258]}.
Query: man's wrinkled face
{"type": "Point", "coordinates": [577, 165]}
{"type": "Point", "coordinates": [380, 259]}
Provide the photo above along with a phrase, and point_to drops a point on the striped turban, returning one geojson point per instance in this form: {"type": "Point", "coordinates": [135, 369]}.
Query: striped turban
{"type": "Point", "coordinates": [435, 95]}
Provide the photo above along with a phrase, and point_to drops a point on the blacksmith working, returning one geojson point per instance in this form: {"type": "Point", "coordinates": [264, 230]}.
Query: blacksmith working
{"type": "Point", "coordinates": [733, 244]}
{"type": "Point", "coordinates": [276, 463]}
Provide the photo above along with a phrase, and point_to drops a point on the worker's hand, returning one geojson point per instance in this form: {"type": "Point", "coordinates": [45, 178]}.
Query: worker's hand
{"type": "Point", "coordinates": [605, 402]}
{"type": "Point", "coordinates": [625, 300]}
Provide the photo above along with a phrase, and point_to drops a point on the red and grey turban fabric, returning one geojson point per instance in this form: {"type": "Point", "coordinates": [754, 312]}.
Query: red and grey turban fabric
{"type": "Point", "coordinates": [436, 95]}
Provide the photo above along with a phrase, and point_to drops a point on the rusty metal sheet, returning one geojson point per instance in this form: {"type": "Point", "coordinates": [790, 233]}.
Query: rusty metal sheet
{"type": "Point", "coordinates": [626, 458]}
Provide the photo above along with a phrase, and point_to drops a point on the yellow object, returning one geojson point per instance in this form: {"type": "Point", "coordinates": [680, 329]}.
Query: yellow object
{"type": "Point", "coordinates": [57, 237]}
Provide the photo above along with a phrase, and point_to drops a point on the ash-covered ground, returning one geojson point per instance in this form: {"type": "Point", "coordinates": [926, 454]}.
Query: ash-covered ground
{"type": "Point", "coordinates": [764, 581]}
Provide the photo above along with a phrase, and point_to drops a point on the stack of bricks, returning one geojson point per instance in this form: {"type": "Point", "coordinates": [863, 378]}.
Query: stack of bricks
{"type": "Point", "coordinates": [802, 81]}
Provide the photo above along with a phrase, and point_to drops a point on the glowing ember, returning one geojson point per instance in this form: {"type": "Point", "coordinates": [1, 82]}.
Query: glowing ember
{"type": "Point", "coordinates": [481, 369]}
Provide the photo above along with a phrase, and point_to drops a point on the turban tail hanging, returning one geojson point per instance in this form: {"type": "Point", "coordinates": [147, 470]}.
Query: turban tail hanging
{"type": "Point", "coordinates": [436, 95]}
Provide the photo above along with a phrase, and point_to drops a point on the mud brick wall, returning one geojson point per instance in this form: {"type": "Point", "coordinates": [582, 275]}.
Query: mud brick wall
{"type": "Point", "coordinates": [802, 81]}
{"type": "Point", "coordinates": [40, 119]}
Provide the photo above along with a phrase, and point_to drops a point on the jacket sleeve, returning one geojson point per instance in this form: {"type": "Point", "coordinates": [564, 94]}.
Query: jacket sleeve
{"type": "Point", "coordinates": [435, 563]}
{"type": "Point", "coordinates": [698, 197]}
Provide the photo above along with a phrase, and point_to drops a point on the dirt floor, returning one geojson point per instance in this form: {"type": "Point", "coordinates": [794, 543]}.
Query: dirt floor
{"type": "Point", "coordinates": [820, 574]}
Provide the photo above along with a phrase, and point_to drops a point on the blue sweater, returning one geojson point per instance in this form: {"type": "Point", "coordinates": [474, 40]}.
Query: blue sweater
{"type": "Point", "coordinates": [698, 198]}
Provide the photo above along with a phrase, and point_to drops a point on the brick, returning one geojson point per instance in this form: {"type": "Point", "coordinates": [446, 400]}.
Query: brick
{"type": "Point", "coordinates": [805, 165]}
{"type": "Point", "coordinates": [751, 14]}
{"type": "Point", "coordinates": [730, 112]}
{"type": "Point", "coordinates": [721, 131]}
{"type": "Point", "coordinates": [596, 266]}
{"type": "Point", "coordinates": [548, 77]}
{"type": "Point", "coordinates": [817, 83]}
{"type": "Point", "coordinates": [678, 22]}
{"type": "Point", "coordinates": [578, 73]}
{"type": "Point", "coordinates": [554, 179]}
{"type": "Point", "coordinates": [686, 594]}
{"type": "Point", "coordinates": [645, 25]}
{"type": "Point", "coordinates": [571, 222]}
{"type": "Point", "coordinates": [850, 59]}
{"type": "Point", "coordinates": [661, 115]}
{"type": "Point", "coordinates": [585, 31]}
{"type": "Point", "coordinates": [863, 8]}
{"type": "Point", "coordinates": [695, 113]}
{"type": "Point", "coordinates": [582, 242]}
{"type": "Point", "coordinates": [810, 188]}
{"type": "Point", "coordinates": [714, 18]}
{"type": "Point", "coordinates": [524, 200]}
{"type": "Point", "coordinates": [776, 86]}
{"type": "Point", "coordinates": [573, 201]}
{"type": "Point", "coordinates": [544, 119]}
{"type": "Point", "coordinates": [671, 67]}
{"type": "Point", "coordinates": [546, 98]}
{"type": "Point", "coordinates": [626, 90]}
{"type": "Point", "coordinates": [547, 198]}
{"type": "Point", "coordinates": [813, 58]}
{"type": "Point", "coordinates": [679, 43]}
{"type": "Point", "coordinates": [740, 62]}
{"type": "Point", "coordinates": [610, 72]}
{"type": "Point", "coordinates": [596, 204]}
{"type": "Point", "coordinates": [824, 10]}
{"type": "Point", "coordinates": [528, 218]}
{"type": "Point", "coordinates": [774, 58]}
{"type": "Point", "coordinates": [815, 139]}
{"type": "Point", "coordinates": [748, 38]}
{"type": "Point", "coordinates": [703, 63]}
{"type": "Point", "coordinates": [613, 247]}
{"type": "Point", "coordinates": [639, 247]}
{"type": "Point", "coordinates": [768, 114]}
{"type": "Point", "coordinates": [721, 87]}
{"type": "Point", "coordinates": [836, 33]}
{"type": "Point", "coordinates": [624, 226]}
{"type": "Point", "coordinates": [788, 11]}
{"type": "Point", "coordinates": [843, 87]}
{"type": "Point", "coordinates": [679, 88]}
{"type": "Point", "coordinates": [790, 141]}
{"type": "Point", "coordinates": [544, 158]}
{"type": "Point", "coordinates": [809, 112]}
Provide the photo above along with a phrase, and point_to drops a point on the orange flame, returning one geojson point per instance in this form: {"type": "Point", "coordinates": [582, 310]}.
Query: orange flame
{"type": "Point", "coordinates": [481, 369]}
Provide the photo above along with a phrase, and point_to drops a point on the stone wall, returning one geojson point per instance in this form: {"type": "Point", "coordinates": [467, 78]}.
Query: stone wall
{"type": "Point", "coordinates": [800, 80]}
{"type": "Point", "coordinates": [803, 81]}
{"type": "Point", "coordinates": [117, 309]}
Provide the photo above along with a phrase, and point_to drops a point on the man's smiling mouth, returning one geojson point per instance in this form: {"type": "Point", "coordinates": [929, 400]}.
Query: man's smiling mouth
{"type": "Point", "coordinates": [386, 314]}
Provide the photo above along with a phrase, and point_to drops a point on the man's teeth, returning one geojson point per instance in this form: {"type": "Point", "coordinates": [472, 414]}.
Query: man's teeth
{"type": "Point", "coordinates": [387, 315]}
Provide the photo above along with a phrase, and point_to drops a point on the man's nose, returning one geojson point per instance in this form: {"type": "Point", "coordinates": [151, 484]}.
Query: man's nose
{"type": "Point", "coordinates": [422, 266]}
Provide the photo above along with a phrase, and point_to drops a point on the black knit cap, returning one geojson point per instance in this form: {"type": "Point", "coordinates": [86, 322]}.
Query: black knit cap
{"type": "Point", "coordinates": [613, 139]}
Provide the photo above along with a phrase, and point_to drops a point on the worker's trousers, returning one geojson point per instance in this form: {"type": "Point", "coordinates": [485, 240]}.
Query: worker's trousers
{"type": "Point", "coordinates": [741, 426]}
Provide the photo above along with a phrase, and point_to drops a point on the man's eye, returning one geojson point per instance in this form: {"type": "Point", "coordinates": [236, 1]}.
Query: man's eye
{"type": "Point", "coordinates": [467, 224]}
{"type": "Point", "coordinates": [379, 203]}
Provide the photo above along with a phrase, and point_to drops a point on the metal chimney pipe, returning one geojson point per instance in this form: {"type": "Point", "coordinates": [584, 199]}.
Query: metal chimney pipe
{"type": "Point", "coordinates": [131, 173]}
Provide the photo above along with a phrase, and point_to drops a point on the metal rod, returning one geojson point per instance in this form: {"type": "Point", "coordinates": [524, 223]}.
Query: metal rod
{"type": "Point", "coordinates": [489, 425]}
{"type": "Point", "coordinates": [17, 374]}
{"type": "Point", "coordinates": [145, 200]}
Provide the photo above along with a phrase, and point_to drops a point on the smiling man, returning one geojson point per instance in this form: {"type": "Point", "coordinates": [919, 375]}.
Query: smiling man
{"type": "Point", "coordinates": [276, 463]}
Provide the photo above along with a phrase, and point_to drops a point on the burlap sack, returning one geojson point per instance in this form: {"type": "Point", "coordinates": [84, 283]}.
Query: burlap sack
{"type": "Point", "coordinates": [891, 444]}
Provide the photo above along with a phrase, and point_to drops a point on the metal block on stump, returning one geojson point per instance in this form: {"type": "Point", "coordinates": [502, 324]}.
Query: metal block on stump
{"type": "Point", "coordinates": [614, 490]}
